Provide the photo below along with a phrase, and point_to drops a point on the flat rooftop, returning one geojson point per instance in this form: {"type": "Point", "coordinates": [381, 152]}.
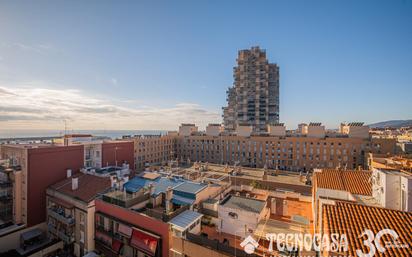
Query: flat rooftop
{"type": "Point", "coordinates": [161, 184]}
{"type": "Point", "coordinates": [243, 203]}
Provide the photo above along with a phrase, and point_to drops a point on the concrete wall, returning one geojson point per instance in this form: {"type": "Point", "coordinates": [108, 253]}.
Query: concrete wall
{"type": "Point", "coordinates": [47, 166]}
{"type": "Point", "coordinates": [406, 186]}
{"type": "Point", "coordinates": [190, 249]}
{"type": "Point", "coordinates": [278, 131]}
{"type": "Point", "coordinates": [213, 130]}
{"type": "Point", "coordinates": [118, 152]}
{"type": "Point", "coordinates": [48, 250]}
{"type": "Point", "coordinates": [245, 220]}
{"type": "Point", "coordinates": [12, 240]}
{"type": "Point", "coordinates": [359, 131]}
{"type": "Point", "coordinates": [244, 131]}
{"type": "Point", "coordinates": [316, 131]}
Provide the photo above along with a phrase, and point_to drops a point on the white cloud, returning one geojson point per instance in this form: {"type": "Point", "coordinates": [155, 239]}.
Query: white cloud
{"type": "Point", "coordinates": [113, 81]}
{"type": "Point", "coordinates": [36, 106]}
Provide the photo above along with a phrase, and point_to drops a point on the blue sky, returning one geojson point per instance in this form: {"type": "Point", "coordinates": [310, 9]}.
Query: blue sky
{"type": "Point", "coordinates": [154, 64]}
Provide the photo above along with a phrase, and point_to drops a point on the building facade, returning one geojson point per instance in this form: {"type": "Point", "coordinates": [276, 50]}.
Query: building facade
{"type": "Point", "coordinates": [289, 152]}
{"type": "Point", "coordinates": [254, 97]}
{"type": "Point", "coordinates": [153, 150]}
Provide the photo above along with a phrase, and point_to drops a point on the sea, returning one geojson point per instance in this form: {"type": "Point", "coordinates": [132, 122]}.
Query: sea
{"type": "Point", "coordinates": [114, 134]}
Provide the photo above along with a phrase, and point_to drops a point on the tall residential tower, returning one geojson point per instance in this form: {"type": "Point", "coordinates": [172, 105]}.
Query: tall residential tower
{"type": "Point", "coordinates": [254, 98]}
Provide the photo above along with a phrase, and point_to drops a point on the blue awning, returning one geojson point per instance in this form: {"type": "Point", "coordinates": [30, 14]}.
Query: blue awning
{"type": "Point", "coordinates": [185, 219]}
{"type": "Point", "coordinates": [179, 200]}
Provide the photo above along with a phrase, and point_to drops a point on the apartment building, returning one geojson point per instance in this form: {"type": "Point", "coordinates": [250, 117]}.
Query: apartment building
{"type": "Point", "coordinates": [7, 173]}
{"type": "Point", "coordinates": [278, 148]}
{"type": "Point", "coordinates": [71, 206]}
{"type": "Point", "coordinates": [152, 150]}
{"type": "Point", "coordinates": [40, 166]}
{"type": "Point", "coordinates": [31, 169]}
{"type": "Point", "coordinates": [45, 164]}
{"type": "Point", "coordinates": [289, 152]}
{"type": "Point", "coordinates": [254, 98]}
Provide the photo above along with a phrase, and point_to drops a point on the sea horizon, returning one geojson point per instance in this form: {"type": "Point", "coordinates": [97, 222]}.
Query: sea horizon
{"type": "Point", "coordinates": [30, 133]}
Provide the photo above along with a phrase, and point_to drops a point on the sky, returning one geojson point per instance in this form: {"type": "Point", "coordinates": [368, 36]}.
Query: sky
{"type": "Point", "coordinates": [156, 64]}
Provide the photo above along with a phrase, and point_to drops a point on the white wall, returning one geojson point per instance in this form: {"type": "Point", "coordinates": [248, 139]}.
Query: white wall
{"type": "Point", "coordinates": [213, 130]}
{"type": "Point", "coordinates": [387, 189]}
{"type": "Point", "coordinates": [245, 220]}
{"type": "Point", "coordinates": [406, 185]}
{"type": "Point", "coordinates": [359, 131]}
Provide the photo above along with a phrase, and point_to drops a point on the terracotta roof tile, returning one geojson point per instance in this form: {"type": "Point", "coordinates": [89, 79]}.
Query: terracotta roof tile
{"type": "Point", "coordinates": [355, 182]}
{"type": "Point", "coordinates": [353, 219]}
{"type": "Point", "coordinates": [89, 186]}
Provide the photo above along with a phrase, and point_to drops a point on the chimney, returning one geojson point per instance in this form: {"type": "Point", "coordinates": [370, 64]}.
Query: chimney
{"type": "Point", "coordinates": [151, 189]}
{"type": "Point", "coordinates": [69, 173]}
{"type": "Point", "coordinates": [169, 195]}
{"type": "Point", "coordinates": [75, 183]}
{"type": "Point", "coordinates": [112, 181]}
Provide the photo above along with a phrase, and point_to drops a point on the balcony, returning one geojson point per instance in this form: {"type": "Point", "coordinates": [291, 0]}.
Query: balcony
{"type": "Point", "coordinates": [68, 239]}
{"type": "Point", "coordinates": [59, 215]}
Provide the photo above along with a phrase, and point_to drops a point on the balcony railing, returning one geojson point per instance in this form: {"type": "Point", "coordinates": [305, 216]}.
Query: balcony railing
{"type": "Point", "coordinates": [110, 233]}
{"type": "Point", "coordinates": [60, 216]}
{"type": "Point", "coordinates": [217, 246]}
{"type": "Point", "coordinates": [124, 200]}
{"type": "Point", "coordinates": [68, 239]}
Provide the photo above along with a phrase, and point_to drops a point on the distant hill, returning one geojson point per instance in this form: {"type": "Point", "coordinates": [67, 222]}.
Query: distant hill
{"type": "Point", "coordinates": [392, 124]}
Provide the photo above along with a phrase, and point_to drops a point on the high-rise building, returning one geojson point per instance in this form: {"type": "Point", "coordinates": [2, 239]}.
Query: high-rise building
{"type": "Point", "coordinates": [254, 98]}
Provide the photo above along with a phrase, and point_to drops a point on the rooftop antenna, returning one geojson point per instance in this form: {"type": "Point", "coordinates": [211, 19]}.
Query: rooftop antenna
{"type": "Point", "coordinates": [65, 126]}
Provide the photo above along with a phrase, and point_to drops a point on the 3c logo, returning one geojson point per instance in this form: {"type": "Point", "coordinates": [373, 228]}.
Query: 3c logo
{"type": "Point", "coordinates": [373, 242]}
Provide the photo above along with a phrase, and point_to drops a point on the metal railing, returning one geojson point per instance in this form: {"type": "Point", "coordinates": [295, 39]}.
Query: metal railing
{"type": "Point", "coordinates": [63, 236]}
{"type": "Point", "coordinates": [60, 216]}
{"type": "Point", "coordinates": [216, 245]}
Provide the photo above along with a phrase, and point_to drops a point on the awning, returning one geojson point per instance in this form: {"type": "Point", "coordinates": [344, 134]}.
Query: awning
{"type": "Point", "coordinates": [185, 219]}
{"type": "Point", "coordinates": [144, 242]}
{"type": "Point", "coordinates": [180, 200]}
{"type": "Point", "coordinates": [125, 230]}
{"type": "Point", "coordinates": [116, 245]}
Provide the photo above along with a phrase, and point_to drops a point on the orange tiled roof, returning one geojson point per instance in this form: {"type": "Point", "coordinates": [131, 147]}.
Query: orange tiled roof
{"type": "Point", "coordinates": [89, 186]}
{"type": "Point", "coordinates": [353, 219]}
{"type": "Point", "coordinates": [355, 182]}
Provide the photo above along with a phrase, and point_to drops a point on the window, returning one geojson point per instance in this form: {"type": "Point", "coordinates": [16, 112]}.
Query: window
{"type": "Point", "coordinates": [82, 237]}
{"type": "Point", "coordinates": [82, 218]}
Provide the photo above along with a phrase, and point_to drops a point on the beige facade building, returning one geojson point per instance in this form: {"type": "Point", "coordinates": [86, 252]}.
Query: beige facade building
{"type": "Point", "coordinates": [153, 150]}
{"type": "Point", "coordinates": [289, 152]}
{"type": "Point", "coordinates": [276, 150]}
{"type": "Point", "coordinates": [71, 210]}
